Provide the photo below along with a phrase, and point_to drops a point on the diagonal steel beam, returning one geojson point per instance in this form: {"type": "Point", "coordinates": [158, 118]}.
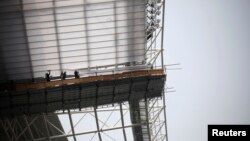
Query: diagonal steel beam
{"type": "Point", "coordinates": [99, 120]}
{"type": "Point", "coordinates": [46, 127]}
{"type": "Point", "coordinates": [154, 138]}
{"type": "Point", "coordinates": [77, 122]}
{"type": "Point", "coordinates": [55, 127]}
{"type": "Point", "coordinates": [33, 120]}
{"type": "Point", "coordinates": [91, 132]}
{"type": "Point", "coordinates": [28, 127]}
{"type": "Point", "coordinates": [12, 130]}
{"type": "Point", "coordinates": [5, 130]}
{"type": "Point", "coordinates": [120, 119]}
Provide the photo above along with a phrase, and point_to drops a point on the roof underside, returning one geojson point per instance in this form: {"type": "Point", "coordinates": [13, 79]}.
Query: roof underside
{"type": "Point", "coordinates": [61, 35]}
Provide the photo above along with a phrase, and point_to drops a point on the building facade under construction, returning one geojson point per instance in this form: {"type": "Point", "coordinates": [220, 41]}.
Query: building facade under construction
{"type": "Point", "coordinates": [74, 70]}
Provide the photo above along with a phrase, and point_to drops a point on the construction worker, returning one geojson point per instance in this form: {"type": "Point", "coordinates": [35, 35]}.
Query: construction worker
{"type": "Point", "coordinates": [63, 75]}
{"type": "Point", "coordinates": [76, 74]}
{"type": "Point", "coordinates": [47, 76]}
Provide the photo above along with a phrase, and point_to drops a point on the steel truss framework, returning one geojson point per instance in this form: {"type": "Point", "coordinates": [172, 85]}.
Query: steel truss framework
{"type": "Point", "coordinates": [26, 127]}
{"type": "Point", "coordinates": [133, 120]}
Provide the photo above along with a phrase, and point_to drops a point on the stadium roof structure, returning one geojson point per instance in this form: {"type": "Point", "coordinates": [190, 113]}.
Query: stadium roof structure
{"type": "Point", "coordinates": [82, 70]}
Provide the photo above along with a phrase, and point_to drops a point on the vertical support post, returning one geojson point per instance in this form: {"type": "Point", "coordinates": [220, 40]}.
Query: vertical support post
{"type": "Point", "coordinates": [97, 124]}
{"type": "Point", "coordinates": [123, 129]}
{"type": "Point", "coordinates": [165, 114]}
{"type": "Point", "coordinates": [146, 109]}
{"type": "Point", "coordinates": [62, 92]}
{"type": "Point", "coordinates": [80, 97]}
{"type": "Point", "coordinates": [28, 101]}
{"type": "Point", "coordinates": [114, 87]}
{"type": "Point", "coordinates": [146, 35]}
{"type": "Point", "coordinates": [46, 100]}
{"type": "Point", "coordinates": [162, 34]}
{"type": "Point", "coordinates": [96, 94]}
{"type": "Point", "coordinates": [162, 65]}
{"type": "Point", "coordinates": [130, 88]}
{"type": "Point", "coordinates": [11, 101]}
{"type": "Point", "coordinates": [71, 125]}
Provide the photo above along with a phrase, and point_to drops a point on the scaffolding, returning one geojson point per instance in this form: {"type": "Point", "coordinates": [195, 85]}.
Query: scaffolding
{"type": "Point", "coordinates": [132, 107]}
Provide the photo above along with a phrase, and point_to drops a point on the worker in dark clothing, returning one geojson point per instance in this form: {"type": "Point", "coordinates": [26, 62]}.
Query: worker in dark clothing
{"type": "Point", "coordinates": [76, 74]}
{"type": "Point", "coordinates": [47, 76]}
{"type": "Point", "coordinates": [63, 75]}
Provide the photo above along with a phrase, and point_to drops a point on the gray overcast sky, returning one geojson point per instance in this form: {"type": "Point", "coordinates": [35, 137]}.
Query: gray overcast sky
{"type": "Point", "coordinates": [211, 40]}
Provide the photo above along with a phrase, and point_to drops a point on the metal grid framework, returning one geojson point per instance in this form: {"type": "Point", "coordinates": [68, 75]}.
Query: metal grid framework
{"type": "Point", "coordinates": [134, 120]}
{"type": "Point", "coordinates": [120, 128]}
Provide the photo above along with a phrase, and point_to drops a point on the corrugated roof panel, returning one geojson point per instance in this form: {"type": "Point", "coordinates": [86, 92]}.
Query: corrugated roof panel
{"type": "Point", "coordinates": [68, 35]}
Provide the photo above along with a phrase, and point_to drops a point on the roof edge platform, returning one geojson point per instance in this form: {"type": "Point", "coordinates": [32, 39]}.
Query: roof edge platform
{"type": "Point", "coordinates": [92, 91]}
